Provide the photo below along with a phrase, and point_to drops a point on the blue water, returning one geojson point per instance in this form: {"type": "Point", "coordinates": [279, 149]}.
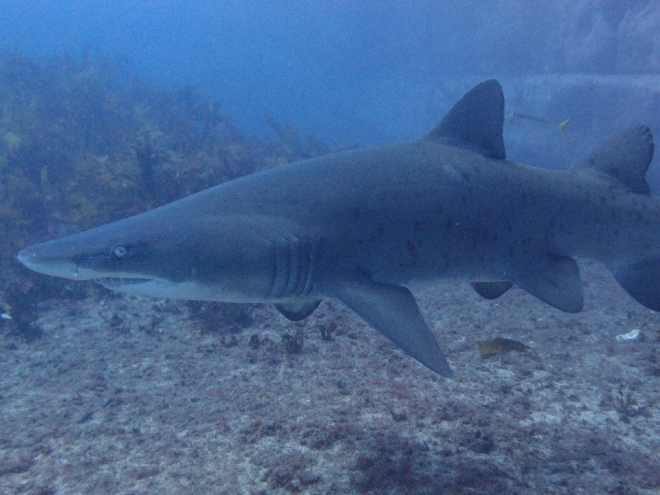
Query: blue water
{"type": "Point", "coordinates": [101, 394]}
{"type": "Point", "coordinates": [348, 72]}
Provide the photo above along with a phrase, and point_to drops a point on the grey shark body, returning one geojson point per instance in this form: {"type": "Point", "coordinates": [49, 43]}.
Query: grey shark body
{"type": "Point", "coordinates": [363, 225]}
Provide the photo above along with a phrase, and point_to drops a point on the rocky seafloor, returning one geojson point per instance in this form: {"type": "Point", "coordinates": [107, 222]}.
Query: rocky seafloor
{"type": "Point", "coordinates": [141, 396]}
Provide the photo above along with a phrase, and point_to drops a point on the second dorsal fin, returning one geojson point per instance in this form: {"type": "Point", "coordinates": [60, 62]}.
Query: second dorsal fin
{"type": "Point", "coordinates": [623, 158]}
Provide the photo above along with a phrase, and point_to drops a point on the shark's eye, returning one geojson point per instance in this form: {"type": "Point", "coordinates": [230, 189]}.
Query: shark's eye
{"type": "Point", "coordinates": [120, 251]}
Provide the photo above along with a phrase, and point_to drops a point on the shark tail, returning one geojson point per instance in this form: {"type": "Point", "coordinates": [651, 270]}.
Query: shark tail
{"type": "Point", "coordinates": [623, 160]}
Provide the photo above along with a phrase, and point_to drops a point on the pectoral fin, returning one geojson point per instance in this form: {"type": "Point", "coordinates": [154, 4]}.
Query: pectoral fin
{"type": "Point", "coordinates": [392, 310]}
{"type": "Point", "coordinates": [553, 279]}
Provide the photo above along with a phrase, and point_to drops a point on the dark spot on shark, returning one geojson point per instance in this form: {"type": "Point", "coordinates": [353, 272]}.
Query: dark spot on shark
{"type": "Point", "coordinates": [412, 249]}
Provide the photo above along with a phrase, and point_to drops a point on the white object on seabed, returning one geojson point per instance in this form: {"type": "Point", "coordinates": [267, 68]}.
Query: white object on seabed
{"type": "Point", "coordinates": [632, 335]}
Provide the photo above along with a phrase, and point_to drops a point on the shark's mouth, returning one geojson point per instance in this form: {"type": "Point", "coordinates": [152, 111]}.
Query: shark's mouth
{"type": "Point", "coordinates": [156, 287]}
{"type": "Point", "coordinates": [115, 283]}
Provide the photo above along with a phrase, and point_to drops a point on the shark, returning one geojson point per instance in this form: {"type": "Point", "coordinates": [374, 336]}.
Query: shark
{"type": "Point", "coordinates": [364, 226]}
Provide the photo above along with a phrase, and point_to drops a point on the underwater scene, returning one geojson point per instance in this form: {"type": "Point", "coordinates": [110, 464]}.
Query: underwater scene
{"type": "Point", "coordinates": [329, 247]}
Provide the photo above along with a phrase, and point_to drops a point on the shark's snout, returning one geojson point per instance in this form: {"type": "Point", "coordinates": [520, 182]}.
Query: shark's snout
{"type": "Point", "coordinates": [23, 256]}
{"type": "Point", "coordinates": [31, 258]}
{"type": "Point", "coordinates": [28, 258]}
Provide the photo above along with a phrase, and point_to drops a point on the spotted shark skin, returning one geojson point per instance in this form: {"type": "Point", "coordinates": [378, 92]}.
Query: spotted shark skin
{"type": "Point", "coordinates": [362, 226]}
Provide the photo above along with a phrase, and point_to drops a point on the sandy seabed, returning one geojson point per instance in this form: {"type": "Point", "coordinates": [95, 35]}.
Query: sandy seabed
{"type": "Point", "coordinates": [128, 395]}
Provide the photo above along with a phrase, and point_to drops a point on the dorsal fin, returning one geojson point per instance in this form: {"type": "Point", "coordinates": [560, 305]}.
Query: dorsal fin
{"type": "Point", "coordinates": [476, 121]}
{"type": "Point", "coordinates": [624, 158]}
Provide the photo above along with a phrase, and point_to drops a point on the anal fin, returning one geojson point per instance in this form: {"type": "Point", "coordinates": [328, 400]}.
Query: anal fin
{"type": "Point", "coordinates": [393, 311]}
{"type": "Point", "coordinates": [554, 280]}
{"type": "Point", "coordinates": [641, 279]}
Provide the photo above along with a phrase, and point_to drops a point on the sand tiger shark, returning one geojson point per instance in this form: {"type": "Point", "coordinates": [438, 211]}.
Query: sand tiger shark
{"type": "Point", "coordinates": [362, 226]}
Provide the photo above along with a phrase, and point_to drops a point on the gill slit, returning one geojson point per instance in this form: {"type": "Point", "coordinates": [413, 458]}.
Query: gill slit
{"type": "Point", "coordinates": [293, 262]}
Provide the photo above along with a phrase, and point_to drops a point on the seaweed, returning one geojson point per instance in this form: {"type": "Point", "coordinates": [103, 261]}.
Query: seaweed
{"type": "Point", "coordinates": [221, 318]}
{"type": "Point", "coordinates": [293, 144]}
{"type": "Point", "coordinates": [294, 340]}
{"type": "Point", "coordinates": [82, 142]}
{"type": "Point", "coordinates": [21, 303]}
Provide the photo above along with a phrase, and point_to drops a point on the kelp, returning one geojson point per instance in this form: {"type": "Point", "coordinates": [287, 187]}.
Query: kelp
{"type": "Point", "coordinates": [82, 143]}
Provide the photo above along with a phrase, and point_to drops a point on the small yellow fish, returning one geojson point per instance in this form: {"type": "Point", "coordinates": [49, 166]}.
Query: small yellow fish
{"type": "Point", "coordinates": [500, 345]}
{"type": "Point", "coordinates": [534, 122]}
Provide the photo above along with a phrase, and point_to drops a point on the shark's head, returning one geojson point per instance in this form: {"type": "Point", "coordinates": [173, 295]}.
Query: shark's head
{"type": "Point", "coordinates": [176, 256]}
